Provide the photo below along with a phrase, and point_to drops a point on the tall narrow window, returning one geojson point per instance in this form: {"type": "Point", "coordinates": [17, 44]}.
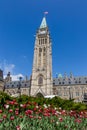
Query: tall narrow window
{"type": "Point", "coordinates": [77, 93]}
{"type": "Point", "coordinates": [39, 41]}
{"type": "Point", "coordinates": [44, 49]}
{"type": "Point", "coordinates": [40, 80]}
{"type": "Point", "coordinates": [45, 40]}
{"type": "Point", "coordinates": [40, 50]}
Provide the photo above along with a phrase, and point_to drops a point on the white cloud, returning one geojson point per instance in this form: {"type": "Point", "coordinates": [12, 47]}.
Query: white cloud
{"type": "Point", "coordinates": [10, 68]}
{"type": "Point", "coordinates": [16, 77]}
{"type": "Point", "coordinates": [6, 67]}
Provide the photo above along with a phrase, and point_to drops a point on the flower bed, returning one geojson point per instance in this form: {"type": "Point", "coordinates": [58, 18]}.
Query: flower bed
{"type": "Point", "coordinates": [32, 116]}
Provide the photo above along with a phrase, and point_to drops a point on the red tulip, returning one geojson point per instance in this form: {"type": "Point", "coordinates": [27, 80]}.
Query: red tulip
{"type": "Point", "coordinates": [39, 117]}
{"type": "Point", "coordinates": [21, 116]}
{"type": "Point", "coordinates": [16, 112]}
{"type": "Point", "coordinates": [31, 116]}
{"type": "Point", "coordinates": [4, 116]}
{"type": "Point", "coordinates": [28, 112]}
{"type": "Point", "coordinates": [10, 110]}
{"type": "Point", "coordinates": [60, 119]}
{"type": "Point", "coordinates": [0, 111]}
{"type": "Point", "coordinates": [1, 120]}
{"type": "Point", "coordinates": [18, 127]}
{"type": "Point", "coordinates": [12, 117]}
{"type": "Point", "coordinates": [78, 120]}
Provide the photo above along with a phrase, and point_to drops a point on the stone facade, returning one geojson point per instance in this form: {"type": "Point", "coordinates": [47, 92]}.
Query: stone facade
{"type": "Point", "coordinates": [16, 88]}
{"type": "Point", "coordinates": [64, 87]}
{"type": "Point", "coordinates": [70, 88]}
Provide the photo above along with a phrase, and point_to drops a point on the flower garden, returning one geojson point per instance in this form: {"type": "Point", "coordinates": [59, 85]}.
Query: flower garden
{"type": "Point", "coordinates": [29, 113]}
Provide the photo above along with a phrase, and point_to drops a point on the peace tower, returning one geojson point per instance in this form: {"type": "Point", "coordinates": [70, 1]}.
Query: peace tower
{"type": "Point", "coordinates": [41, 82]}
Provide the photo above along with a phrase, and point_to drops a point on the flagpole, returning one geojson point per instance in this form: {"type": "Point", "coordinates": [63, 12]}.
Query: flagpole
{"type": "Point", "coordinates": [45, 13]}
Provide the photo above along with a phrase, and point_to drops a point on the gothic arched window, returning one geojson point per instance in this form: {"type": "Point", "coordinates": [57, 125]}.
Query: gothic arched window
{"type": "Point", "coordinates": [40, 50]}
{"type": "Point", "coordinates": [45, 40]}
{"type": "Point", "coordinates": [39, 41]}
{"type": "Point", "coordinates": [44, 49]}
{"type": "Point", "coordinates": [40, 80]}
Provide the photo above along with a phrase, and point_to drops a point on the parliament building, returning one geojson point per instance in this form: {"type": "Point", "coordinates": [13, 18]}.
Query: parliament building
{"type": "Point", "coordinates": [41, 82]}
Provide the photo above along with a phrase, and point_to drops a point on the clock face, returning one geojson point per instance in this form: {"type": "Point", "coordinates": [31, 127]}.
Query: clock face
{"type": "Point", "coordinates": [42, 32]}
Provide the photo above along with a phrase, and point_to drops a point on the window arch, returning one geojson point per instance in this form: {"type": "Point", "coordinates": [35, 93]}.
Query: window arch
{"type": "Point", "coordinates": [39, 95]}
{"type": "Point", "coordinates": [39, 41]}
{"type": "Point", "coordinates": [44, 49]}
{"type": "Point", "coordinates": [40, 80]}
{"type": "Point", "coordinates": [45, 40]}
{"type": "Point", "coordinates": [40, 50]}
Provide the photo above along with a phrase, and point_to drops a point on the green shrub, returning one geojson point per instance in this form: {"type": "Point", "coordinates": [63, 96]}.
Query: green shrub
{"type": "Point", "coordinates": [54, 102]}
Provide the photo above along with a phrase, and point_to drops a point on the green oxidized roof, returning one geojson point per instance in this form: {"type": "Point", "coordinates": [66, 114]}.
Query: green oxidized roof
{"type": "Point", "coordinates": [60, 76]}
{"type": "Point", "coordinates": [43, 23]}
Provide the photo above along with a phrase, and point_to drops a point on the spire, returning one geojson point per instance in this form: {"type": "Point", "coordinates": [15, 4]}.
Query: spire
{"type": "Point", "coordinates": [43, 23]}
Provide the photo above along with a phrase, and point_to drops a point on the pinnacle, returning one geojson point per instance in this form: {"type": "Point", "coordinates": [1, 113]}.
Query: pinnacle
{"type": "Point", "coordinates": [43, 23]}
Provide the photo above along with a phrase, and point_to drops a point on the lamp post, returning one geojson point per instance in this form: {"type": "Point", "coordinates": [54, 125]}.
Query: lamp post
{"type": "Point", "coordinates": [19, 86]}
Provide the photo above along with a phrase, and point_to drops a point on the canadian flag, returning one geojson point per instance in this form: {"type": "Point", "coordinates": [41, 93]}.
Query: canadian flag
{"type": "Point", "coordinates": [46, 12]}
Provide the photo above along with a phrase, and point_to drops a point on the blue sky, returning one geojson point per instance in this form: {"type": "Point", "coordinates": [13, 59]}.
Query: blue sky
{"type": "Point", "coordinates": [67, 21]}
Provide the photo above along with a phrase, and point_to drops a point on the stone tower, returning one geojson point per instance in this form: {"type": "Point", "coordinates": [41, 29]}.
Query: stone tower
{"type": "Point", "coordinates": [8, 78]}
{"type": "Point", "coordinates": [41, 82]}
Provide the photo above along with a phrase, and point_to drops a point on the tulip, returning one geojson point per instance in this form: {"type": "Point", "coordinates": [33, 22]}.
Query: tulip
{"type": "Point", "coordinates": [10, 110]}
{"type": "Point", "coordinates": [0, 111]}
{"type": "Point", "coordinates": [4, 116]}
{"type": "Point", "coordinates": [12, 117]}
{"type": "Point", "coordinates": [6, 106]}
{"type": "Point", "coordinates": [60, 119]}
{"type": "Point", "coordinates": [18, 128]}
{"type": "Point", "coordinates": [1, 120]}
